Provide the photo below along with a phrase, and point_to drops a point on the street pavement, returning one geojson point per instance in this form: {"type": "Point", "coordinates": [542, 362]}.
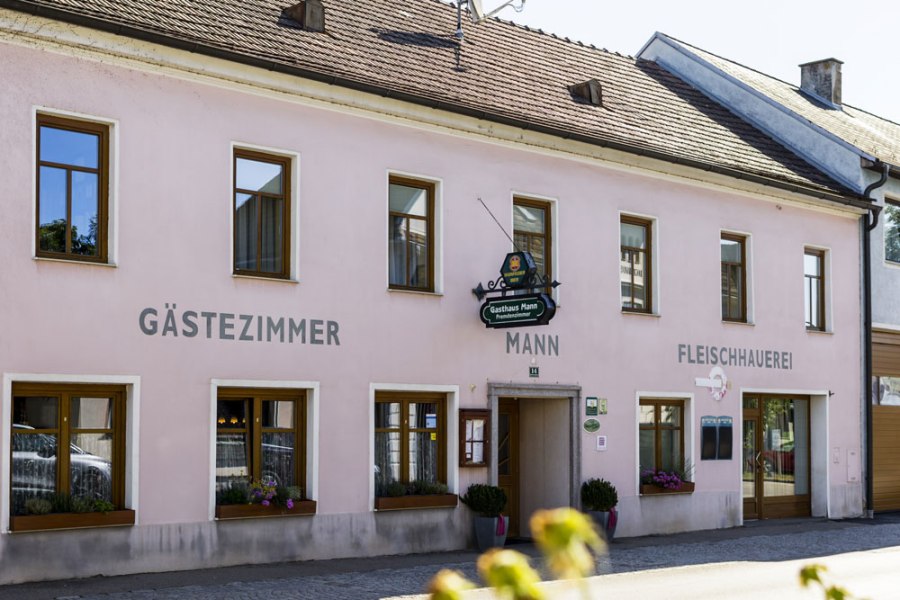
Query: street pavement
{"type": "Point", "coordinates": [701, 561]}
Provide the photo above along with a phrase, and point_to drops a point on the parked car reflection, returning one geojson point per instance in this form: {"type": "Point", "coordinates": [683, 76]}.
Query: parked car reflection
{"type": "Point", "coordinates": [779, 460]}
{"type": "Point", "coordinates": [34, 464]}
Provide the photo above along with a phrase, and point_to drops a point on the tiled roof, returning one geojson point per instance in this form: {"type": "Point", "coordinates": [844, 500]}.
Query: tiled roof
{"type": "Point", "coordinates": [869, 133]}
{"type": "Point", "coordinates": [499, 71]}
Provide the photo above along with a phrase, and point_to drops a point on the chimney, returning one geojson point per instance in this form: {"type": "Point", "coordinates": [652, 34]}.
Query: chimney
{"type": "Point", "coordinates": [310, 14]}
{"type": "Point", "coordinates": [822, 79]}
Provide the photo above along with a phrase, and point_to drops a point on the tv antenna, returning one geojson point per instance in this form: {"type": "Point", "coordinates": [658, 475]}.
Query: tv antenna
{"type": "Point", "coordinates": [476, 12]}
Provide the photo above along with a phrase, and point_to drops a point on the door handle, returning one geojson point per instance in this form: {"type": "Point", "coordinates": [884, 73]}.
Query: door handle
{"type": "Point", "coordinates": [758, 464]}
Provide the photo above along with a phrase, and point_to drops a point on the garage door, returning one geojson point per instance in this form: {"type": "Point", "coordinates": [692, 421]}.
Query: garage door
{"type": "Point", "coordinates": [886, 421]}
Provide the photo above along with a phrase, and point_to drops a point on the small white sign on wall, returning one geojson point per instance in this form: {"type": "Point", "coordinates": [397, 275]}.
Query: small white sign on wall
{"type": "Point", "coordinates": [601, 443]}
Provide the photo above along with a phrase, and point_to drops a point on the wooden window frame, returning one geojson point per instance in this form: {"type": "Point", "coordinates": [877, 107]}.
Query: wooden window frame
{"type": "Point", "coordinates": [102, 171]}
{"type": "Point", "coordinates": [742, 240]}
{"type": "Point", "coordinates": [405, 399]}
{"type": "Point", "coordinates": [255, 430]}
{"type": "Point", "coordinates": [657, 427]}
{"type": "Point", "coordinates": [819, 282]}
{"type": "Point", "coordinates": [647, 224]}
{"type": "Point", "coordinates": [63, 431]}
{"type": "Point", "coordinates": [890, 202]}
{"type": "Point", "coordinates": [430, 189]}
{"type": "Point", "coordinates": [285, 163]}
{"type": "Point", "coordinates": [466, 415]}
{"type": "Point", "coordinates": [547, 235]}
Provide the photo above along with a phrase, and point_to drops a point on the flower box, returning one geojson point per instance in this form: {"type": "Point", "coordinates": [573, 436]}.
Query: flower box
{"type": "Point", "coordinates": [253, 511]}
{"type": "Point", "coordinates": [115, 518]}
{"type": "Point", "coordinates": [411, 502]}
{"type": "Point", "coordinates": [687, 487]}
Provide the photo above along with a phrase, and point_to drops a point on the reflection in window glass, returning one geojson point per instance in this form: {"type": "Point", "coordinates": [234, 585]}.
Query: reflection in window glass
{"type": "Point", "coordinates": [261, 219]}
{"type": "Point", "coordinates": [71, 186]}
{"type": "Point", "coordinates": [409, 235]}
{"type": "Point", "coordinates": [733, 278]}
{"type": "Point", "coordinates": [892, 231]}
{"type": "Point", "coordinates": [634, 266]}
{"type": "Point", "coordinates": [531, 232]}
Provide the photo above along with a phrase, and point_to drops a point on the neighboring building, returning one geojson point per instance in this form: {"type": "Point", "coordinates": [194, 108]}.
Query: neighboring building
{"type": "Point", "coordinates": [857, 148]}
{"type": "Point", "coordinates": [240, 248]}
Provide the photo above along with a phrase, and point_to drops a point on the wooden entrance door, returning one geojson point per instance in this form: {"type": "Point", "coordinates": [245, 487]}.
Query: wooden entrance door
{"type": "Point", "coordinates": [508, 459]}
{"type": "Point", "coordinates": [776, 465]}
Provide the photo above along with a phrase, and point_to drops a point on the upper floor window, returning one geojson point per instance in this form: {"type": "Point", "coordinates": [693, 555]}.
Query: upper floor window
{"type": "Point", "coordinates": [814, 289]}
{"type": "Point", "coordinates": [411, 235]}
{"type": "Point", "coordinates": [635, 273]}
{"type": "Point", "coordinates": [734, 277]}
{"type": "Point", "coordinates": [531, 233]}
{"type": "Point", "coordinates": [892, 231]}
{"type": "Point", "coordinates": [72, 189]}
{"type": "Point", "coordinates": [262, 192]}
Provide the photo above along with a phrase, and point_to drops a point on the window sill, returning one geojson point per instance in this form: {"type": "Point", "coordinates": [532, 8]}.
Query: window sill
{"type": "Point", "coordinates": [254, 511]}
{"type": "Point", "coordinates": [637, 313]}
{"type": "Point", "coordinates": [72, 261]}
{"type": "Point", "coordinates": [116, 518]}
{"type": "Point", "coordinates": [415, 292]}
{"type": "Point", "coordinates": [261, 278]}
{"type": "Point", "coordinates": [414, 502]}
{"type": "Point", "coordinates": [743, 323]}
{"type": "Point", "coordinates": [819, 332]}
{"type": "Point", "coordinates": [655, 490]}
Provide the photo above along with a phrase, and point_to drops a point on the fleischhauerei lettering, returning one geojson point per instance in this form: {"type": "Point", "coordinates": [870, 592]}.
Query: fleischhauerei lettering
{"type": "Point", "coordinates": [726, 356]}
{"type": "Point", "coordinates": [169, 322]}
{"type": "Point", "coordinates": [532, 343]}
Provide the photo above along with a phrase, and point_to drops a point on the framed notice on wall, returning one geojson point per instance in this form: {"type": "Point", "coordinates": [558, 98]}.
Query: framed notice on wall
{"type": "Point", "coordinates": [474, 438]}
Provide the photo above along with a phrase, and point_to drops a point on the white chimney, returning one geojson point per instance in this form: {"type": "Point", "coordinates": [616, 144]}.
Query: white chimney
{"type": "Point", "coordinates": [822, 79]}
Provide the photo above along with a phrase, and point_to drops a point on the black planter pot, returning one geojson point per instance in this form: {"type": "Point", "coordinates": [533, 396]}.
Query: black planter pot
{"type": "Point", "coordinates": [486, 536]}
{"type": "Point", "coordinates": [606, 522]}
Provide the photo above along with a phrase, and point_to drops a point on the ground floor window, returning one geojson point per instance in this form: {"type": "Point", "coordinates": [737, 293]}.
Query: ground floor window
{"type": "Point", "coordinates": [410, 444]}
{"type": "Point", "coordinates": [662, 435]}
{"type": "Point", "coordinates": [260, 446]}
{"type": "Point", "coordinates": [68, 449]}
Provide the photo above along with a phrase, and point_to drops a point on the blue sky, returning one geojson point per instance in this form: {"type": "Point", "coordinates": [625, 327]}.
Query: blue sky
{"type": "Point", "coordinates": [771, 36]}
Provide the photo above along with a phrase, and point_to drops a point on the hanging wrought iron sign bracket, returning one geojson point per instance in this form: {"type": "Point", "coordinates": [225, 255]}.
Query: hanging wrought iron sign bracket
{"type": "Point", "coordinates": [518, 297]}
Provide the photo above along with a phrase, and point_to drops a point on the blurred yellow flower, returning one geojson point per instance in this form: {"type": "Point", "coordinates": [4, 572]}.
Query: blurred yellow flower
{"type": "Point", "coordinates": [510, 574]}
{"type": "Point", "coordinates": [448, 585]}
{"type": "Point", "coordinates": [566, 537]}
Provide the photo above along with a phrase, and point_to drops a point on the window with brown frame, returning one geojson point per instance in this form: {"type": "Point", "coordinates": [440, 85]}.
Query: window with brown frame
{"type": "Point", "coordinates": [734, 277]}
{"type": "Point", "coordinates": [68, 451]}
{"type": "Point", "coordinates": [531, 233]}
{"type": "Point", "coordinates": [635, 269]}
{"type": "Point", "coordinates": [814, 289]}
{"type": "Point", "coordinates": [262, 214]}
{"type": "Point", "coordinates": [474, 438]}
{"type": "Point", "coordinates": [662, 435]}
{"type": "Point", "coordinates": [260, 437]}
{"type": "Point", "coordinates": [410, 442]}
{"type": "Point", "coordinates": [72, 189]}
{"type": "Point", "coordinates": [411, 234]}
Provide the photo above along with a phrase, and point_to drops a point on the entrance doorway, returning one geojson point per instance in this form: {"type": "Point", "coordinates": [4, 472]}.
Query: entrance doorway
{"type": "Point", "coordinates": [538, 448]}
{"type": "Point", "coordinates": [776, 456]}
{"type": "Point", "coordinates": [508, 459]}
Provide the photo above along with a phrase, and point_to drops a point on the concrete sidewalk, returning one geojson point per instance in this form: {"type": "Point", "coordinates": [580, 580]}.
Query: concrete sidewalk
{"type": "Point", "coordinates": [380, 577]}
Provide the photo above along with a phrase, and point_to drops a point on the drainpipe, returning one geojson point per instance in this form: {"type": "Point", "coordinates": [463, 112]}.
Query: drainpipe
{"type": "Point", "coordinates": [869, 223]}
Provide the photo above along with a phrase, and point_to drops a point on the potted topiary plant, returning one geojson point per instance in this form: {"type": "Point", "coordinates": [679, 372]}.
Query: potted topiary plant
{"type": "Point", "coordinates": [490, 526]}
{"type": "Point", "coordinates": [599, 499]}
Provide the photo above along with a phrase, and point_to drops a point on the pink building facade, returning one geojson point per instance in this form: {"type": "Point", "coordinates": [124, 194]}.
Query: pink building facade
{"type": "Point", "coordinates": [164, 331]}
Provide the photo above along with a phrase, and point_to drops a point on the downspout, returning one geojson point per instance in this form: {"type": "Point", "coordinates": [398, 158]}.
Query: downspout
{"type": "Point", "coordinates": [869, 222]}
